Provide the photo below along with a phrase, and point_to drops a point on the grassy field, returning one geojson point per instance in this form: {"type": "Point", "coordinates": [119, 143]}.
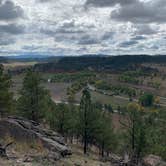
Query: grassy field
{"type": "Point", "coordinates": [14, 65]}
{"type": "Point", "coordinates": [58, 92]}
{"type": "Point", "coordinates": [114, 101]}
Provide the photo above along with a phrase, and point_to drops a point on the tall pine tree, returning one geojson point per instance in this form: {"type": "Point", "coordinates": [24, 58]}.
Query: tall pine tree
{"type": "Point", "coordinates": [5, 94]}
{"type": "Point", "coordinates": [32, 103]}
{"type": "Point", "coordinates": [86, 120]}
{"type": "Point", "coordinates": [136, 131]}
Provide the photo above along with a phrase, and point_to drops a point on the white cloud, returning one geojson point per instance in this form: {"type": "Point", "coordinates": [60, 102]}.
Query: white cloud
{"type": "Point", "coordinates": [81, 26]}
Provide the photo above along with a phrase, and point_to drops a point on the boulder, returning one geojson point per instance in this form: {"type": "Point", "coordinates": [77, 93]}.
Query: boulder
{"type": "Point", "coordinates": [152, 160]}
{"type": "Point", "coordinates": [23, 130]}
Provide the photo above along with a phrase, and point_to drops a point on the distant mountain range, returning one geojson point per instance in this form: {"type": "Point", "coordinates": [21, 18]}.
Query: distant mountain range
{"type": "Point", "coordinates": [40, 57]}
{"type": "Point", "coordinates": [96, 62]}
{"type": "Point", "coordinates": [28, 56]}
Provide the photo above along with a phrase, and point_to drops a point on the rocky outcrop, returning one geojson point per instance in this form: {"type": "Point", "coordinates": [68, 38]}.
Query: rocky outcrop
{"type": "Point", "coordinates": [23, 130]}
{"type": "Point", "coordinates": [152, 160]}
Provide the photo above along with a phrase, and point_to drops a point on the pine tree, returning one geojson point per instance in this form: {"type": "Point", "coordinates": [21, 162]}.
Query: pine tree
{"type": "Point", "coordinates": [33, 100]}
{"type": "Point", "coordinates": [105, 136]}
{"type": "Point", "coordinates": [86, 119]}
{"type": "Point", "coordinates": [63, 118]}
{"type": "Point", "coordinates": [136, 128]}
{"type": "Point", "coordinates": [5, 94]}
{"type": "Point", "coordinates": [59, 117]}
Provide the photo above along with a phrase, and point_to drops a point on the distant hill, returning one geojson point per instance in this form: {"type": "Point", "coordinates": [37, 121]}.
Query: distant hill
{"type": "Point", "coordinates": [30, 58]}
{"type": "Point", "coordinates": [98, 62]}
{"type": "Point", "coordinates": [3, 59]}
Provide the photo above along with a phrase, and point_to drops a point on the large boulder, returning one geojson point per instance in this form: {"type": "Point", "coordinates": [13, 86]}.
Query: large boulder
{"type": "Point", "coordinates": [23, 130]}
{"type": "Point", "coordinates": [152, 160]}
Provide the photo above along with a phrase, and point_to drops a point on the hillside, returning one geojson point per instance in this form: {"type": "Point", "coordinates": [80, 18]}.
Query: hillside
{"type": "Point", "coordinates": [90, 105]}
{"type": "Point", "coordinates": [99, 63]}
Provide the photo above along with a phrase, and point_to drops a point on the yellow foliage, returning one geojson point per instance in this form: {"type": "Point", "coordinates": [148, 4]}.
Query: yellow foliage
{"type": "Point", "coordinates": [157, 100]}
{"type": "Point", "coordinates": [134, 107]}
{"type": "Point", "coordinates": [154, 111]}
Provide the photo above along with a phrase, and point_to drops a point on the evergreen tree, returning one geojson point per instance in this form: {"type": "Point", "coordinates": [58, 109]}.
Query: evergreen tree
{"type": "Point", "coordinates": [58, 118]}
{"type": "Point", "coordinates": [71, 122]}
{"type": "Point", "coordinates": [34, 98]}
{"type": "Point", "coordinates": [105, 136]}
{"type": "Point", "coordinates": [86, 122]}
{"type": "Point", "coordinates": [146, 100]}
{"type": "Point", "coordinates": [63, 118]}
{"type": "Point", "coordinates": [156, 135]}
{"type": "Point", "coordinates": [5, 94]}
{"type": "Point", "coordinates": [136, 128]}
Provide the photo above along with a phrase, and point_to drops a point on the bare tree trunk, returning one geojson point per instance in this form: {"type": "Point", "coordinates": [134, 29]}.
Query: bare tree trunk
{"type": "Point", "coordinates": [102, 149]}
{"type": "Point", "coordinates": [3, 150]}
{"type": "Point", "coordinates": [85, 142]}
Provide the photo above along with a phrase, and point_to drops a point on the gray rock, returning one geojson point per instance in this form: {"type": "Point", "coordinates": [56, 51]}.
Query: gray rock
{"type": "Point", "coordinates": [152, 160]}
{"type": "Point", "coordinates": [28, 131]}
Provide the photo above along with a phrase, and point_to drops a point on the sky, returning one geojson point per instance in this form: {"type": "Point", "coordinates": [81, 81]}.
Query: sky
{"type": "Point", "coordinates": [76, 27]}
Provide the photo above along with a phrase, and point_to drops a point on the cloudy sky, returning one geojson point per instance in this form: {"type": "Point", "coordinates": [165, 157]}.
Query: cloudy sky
{"type": "Point", "coordinates": [74, 27]}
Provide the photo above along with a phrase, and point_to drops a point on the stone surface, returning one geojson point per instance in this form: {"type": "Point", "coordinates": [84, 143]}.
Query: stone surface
{"type": "Point", "coordinates": [152, 160]}
{"type": "Point", "coordinates": [23, 130]}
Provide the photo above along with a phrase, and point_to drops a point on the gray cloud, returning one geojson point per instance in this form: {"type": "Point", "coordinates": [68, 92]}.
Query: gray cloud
{"type": "Point", "coordinates": [12, 29]}
{"type": "Point", "coordinates": [66, 28]}
{"type": "Point", "coordinates": [43, 1]}
{"type": "Point", "coordinates": [31, 47]}
{"type": "Point", "coordinates": [134, 10]}
{"type": "Point", "coordinates": [70, 24]}
{"type": "Point", "coordinates": [6, 40]}
{"type": "Point", "coordinates": [144, 29]}
{"type": "Point", "coordinates": [106, 3]}
{"type": "Point", "coordinates": [154, 47]}
{"type": "Point", "coordinates": [137, 38]}
{"type": "Point", "coordinates": [9, 11]}
{"type": "Point", "coordinates": [59, 31]}
{"type": "Point", "coordinates": [69, 31]}
{"type": "Point", "coordinates": [128, 43]}
{"type": "Point", "coordinates": [107, 35]}
{"type": "Point", "coordinates": [141, 12]}
{"type": "Point", "coordinates": [88, 40]}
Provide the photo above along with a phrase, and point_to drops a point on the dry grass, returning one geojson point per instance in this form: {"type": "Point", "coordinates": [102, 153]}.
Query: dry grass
{"type": "Point", "coordinates": [18, 64]}
{"type": "Point", "coordinates": [78, 158]}
{"type": "Point", "coordinates": [19, 152]}
{"type": "Point", "coordinates": [21, 148]}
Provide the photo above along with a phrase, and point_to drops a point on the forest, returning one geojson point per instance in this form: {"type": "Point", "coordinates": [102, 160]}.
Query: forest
{"type": "Point", "coordinates": [99, 62]}
{"type": "Point", "coordinates": [89, 123]}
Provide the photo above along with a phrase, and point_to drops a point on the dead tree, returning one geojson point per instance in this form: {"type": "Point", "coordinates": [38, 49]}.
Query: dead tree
{"type": "Point", "coordinates": [3, 150]}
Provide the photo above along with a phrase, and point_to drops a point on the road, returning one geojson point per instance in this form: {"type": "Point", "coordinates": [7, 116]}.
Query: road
{"type": "Point", "coordinates": [116, 96]}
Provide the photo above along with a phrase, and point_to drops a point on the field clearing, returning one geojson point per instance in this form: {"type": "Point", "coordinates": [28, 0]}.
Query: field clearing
{"type": "Point", "coordinates": [104, 99]}
{"type": "Point", "coordinates": [57, 90]}
{"type": "Point", "coordinates": [58, 93]}
{"type": "Point", "coordinates": [160, 67]}
{"type": "Point", "coordinates": [113, 79]}
{"type": "Point", "coordinates": [12, 65]}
